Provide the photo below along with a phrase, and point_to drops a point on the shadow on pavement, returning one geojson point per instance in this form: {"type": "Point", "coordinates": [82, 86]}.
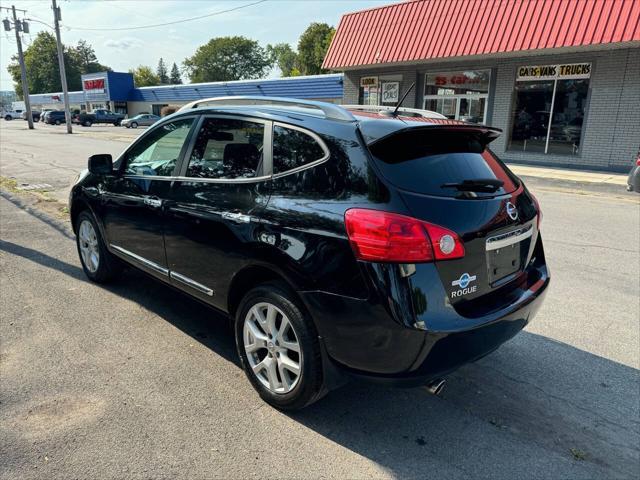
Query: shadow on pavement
{"type": "Point", "coordinates": [43, 259]}
{"type": "Point", "coordinates": [62, 227]}
{"type": "Point", "coordinates": [533, 404]}
{"type": "Point", "coordinates": [534, 408]}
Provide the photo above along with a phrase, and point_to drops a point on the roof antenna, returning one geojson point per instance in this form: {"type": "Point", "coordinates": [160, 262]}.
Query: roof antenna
{"type": "Point", "coordinates": [395, 112]}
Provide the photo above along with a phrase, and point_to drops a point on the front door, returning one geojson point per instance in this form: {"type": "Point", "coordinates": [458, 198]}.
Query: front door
{"type": "Point", "coordinates": [211, 214]}
{"type": "Point", "coordinates": [132, 201]}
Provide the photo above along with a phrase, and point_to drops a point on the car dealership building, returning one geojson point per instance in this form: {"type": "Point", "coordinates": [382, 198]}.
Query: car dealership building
{"type": "Point", "coordinates": [560, 78]}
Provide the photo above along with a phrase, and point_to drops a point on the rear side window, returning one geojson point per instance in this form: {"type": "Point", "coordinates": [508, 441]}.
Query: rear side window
{"type": "Point", "coordinates": [293, 149]}
{"type": "Point", "coordinates": [442, 163]}
{"type": "Point", "coordinates": [227, 148]}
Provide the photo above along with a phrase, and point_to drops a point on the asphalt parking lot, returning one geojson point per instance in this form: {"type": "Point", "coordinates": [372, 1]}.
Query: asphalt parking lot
{"type": "Point", "coordinates": [134, 380]}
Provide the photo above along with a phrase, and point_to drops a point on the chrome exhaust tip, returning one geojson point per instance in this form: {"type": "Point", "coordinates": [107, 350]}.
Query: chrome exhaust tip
{"type": "Point", "coordinates": [435, 386]}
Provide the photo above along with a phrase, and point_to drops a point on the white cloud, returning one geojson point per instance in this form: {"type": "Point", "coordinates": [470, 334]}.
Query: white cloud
{"type": "Point", "coordinates": [122, 44]}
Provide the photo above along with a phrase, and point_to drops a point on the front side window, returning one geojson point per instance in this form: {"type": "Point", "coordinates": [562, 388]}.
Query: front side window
{"type": "Point", "coordinates": [549, 108]}
{"type": "Point", "coordinates": [227, 149]}
{"type": "Point", "coordinates": [293, 149]}
{"type": "Point", "coordinates": [157, 153]}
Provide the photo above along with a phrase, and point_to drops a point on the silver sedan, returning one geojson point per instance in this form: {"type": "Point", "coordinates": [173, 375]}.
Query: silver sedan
{"type": "Point", "coordinates": [142, 120]}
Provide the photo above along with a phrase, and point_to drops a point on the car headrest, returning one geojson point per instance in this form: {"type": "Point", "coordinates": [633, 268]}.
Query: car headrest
{"type": "Point", "coordinates": [241, 155]}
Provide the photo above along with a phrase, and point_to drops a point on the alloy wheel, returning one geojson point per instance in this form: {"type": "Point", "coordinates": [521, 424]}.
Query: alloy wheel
{"type": "Point", "coordinates": [88, 241]}
{"type": "Point", "coordinates": [272, 348]}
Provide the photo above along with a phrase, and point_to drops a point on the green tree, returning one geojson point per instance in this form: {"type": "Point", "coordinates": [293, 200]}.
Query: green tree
{"type": "Point", "coordinates": [284, 57]}
{"type": "Point", "coordinates": [226, 59]}
{"type": "Point", "coordinates": [41, 61]}
{"type": "Point", "coordinates": [85, 58]}
{"type": "Point", "coordinates": [144, 76]}
{"type": "Point", "coordinates": [161, 72]}
{"type": "Point", "coordinates": [174, 76]}
{"type": "Point", "coordinates": [312, 48]}
{"type": "Point", "coordinates": [43, 73]}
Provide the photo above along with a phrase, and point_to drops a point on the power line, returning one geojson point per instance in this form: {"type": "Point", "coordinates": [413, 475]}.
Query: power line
{"type": "Point", "coordinates": [168, 23]}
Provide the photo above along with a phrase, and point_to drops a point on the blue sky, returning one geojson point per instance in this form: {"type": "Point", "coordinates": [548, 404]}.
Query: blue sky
{"type": "Point", "coordinates": [273, 21]}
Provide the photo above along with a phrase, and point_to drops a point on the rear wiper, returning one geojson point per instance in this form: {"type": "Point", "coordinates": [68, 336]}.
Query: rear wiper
{"type": "Point", "coordinates": [489, 185]}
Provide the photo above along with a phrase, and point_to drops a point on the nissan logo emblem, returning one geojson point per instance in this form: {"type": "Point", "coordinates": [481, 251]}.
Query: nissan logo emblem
{"type": "Point", "coordinates": [512, 211]}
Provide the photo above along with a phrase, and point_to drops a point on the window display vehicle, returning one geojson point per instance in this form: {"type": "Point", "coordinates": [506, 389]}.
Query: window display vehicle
{"type": "Point", "coordinates": [387, 245]}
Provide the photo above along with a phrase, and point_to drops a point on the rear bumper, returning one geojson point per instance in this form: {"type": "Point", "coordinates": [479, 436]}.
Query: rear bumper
{"type": "Point", "coordinates": [364, 338]}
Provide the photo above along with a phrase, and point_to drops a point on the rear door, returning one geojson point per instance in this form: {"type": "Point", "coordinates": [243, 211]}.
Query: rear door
{"type": "Point", "coordinates": [132, 201]}
{"type": "Point", "coordinates": [211, 214]}
{"type": "Point", "coordinates": [448, 176]}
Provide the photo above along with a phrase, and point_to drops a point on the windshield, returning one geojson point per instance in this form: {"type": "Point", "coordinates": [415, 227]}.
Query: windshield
{"type": "Point", "coordinates": [443, 163]}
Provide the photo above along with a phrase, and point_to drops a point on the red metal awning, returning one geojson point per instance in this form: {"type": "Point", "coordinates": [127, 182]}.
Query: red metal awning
{"type": "Point", "coordinates": [428, 29]}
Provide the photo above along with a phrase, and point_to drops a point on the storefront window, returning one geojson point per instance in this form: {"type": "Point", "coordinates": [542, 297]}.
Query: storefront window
{"type": "Point", "coordinates": [568, 114]}
{"type": "Point", "coordinates": [460, 95]}
{"type": "Point", "coordinates": [383, 90]}
{"type": "Point", "coordinates": [549, 108]}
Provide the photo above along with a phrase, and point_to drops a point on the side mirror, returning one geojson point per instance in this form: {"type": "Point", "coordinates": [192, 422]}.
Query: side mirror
{"type": "Point", "coordinates": [101, 164]}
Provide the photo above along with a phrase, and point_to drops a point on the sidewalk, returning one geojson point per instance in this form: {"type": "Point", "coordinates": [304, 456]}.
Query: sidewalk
{"type": "Point", "coordinates": [583, 176]}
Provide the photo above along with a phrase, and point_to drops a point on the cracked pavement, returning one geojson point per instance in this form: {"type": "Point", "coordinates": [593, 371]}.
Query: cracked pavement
{"type": "Point", "coordinates": [135, 380]}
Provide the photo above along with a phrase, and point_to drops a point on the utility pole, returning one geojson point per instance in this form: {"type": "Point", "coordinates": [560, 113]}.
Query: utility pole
{"type": "Point", "coordinates": [63, 74]}
{"type": "Point", "coordinates": [17, 26]}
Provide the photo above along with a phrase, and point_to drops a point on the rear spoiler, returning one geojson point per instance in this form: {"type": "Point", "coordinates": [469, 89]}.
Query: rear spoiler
{"type": "Point", "coordinates": [485, 134]}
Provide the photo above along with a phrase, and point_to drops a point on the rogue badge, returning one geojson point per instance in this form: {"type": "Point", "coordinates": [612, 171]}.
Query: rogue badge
{"type": "Point", "coordinates": [463, 282]}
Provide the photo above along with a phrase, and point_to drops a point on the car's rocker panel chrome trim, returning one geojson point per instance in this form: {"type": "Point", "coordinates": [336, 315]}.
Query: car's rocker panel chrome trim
{"type": "Point", "coordinates": [147, 263]}
{"type": "Point", "coordinates": [164, 271]}
{"type": "Point", "coordinates": [509, 238]}
{"type": "Point", "coordinates": [191, 283]}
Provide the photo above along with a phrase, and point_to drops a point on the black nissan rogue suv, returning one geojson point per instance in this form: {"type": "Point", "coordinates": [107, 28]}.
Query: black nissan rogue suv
{"type": "Point", "coordinates": [343, 242]}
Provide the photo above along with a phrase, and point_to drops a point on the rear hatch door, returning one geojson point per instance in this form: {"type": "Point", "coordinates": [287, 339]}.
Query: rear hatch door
{"type": "Point", "coordinates": [447, 175]}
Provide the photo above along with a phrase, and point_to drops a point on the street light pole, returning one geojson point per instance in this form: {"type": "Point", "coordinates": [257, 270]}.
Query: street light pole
{"type": "Point", "coordinates": [63, 74]}
{"type": "Point", "coordinates": [23, 70]}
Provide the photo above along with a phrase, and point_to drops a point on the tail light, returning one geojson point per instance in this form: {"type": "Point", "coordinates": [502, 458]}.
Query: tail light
{"type": "Point", "coordinates": [537, 204]}
{"type": "Point", "coordinates": [378, 236]}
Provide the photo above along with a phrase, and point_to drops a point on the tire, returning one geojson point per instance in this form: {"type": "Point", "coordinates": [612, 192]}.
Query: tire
{"type": "Point", "coordinates": [57, 122]}
{"type": "Point", "coordinates": [106, 267]}
{"type": "Point", "coordinates": [134, 124]}
{"type": "Point", "coordinates": [287, 391]}
{"type": "Point", "coordinates": [116, 124]}
{"type": "Point", "coordinates": [86, 123]}
{"type": "Point", "coordinates": [8, 117]}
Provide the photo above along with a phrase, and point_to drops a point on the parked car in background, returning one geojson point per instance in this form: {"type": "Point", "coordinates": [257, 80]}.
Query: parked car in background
{"type": "Point", "coordinates": [341, 243]}
{"type": "Point", "coordinates": [100, 116]}
{"type": "Point", "coordinates": [35, 115]}
{"type": "Point", "coordinates": [11, 114]}
{"type": "Point", "coordinates": [45, 113]}
{"type": "Point", "coordinates": [75, 116]}
{"type": "Point", "coordinates": [55, 117]}
{"type": "Point", "coordinates": [142, 120]}
{"type": "Point", "coordinates": [633, 182]}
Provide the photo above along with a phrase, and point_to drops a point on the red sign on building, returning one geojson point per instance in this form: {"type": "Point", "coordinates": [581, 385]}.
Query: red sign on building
{"type": "Point", "coordinates": [94, 84]}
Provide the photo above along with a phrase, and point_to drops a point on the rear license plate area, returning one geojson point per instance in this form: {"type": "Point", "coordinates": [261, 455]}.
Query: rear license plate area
{"type": "Point", "coordinates": [506, 254]}
{"type": "Point", "coordinates": [503, 262]}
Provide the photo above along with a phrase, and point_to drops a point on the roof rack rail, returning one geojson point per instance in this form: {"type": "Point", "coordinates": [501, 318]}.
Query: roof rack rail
{"type": "Point", "coordinates": [386, 109]}
{"type": "Point", "coordinates": [330, 110]}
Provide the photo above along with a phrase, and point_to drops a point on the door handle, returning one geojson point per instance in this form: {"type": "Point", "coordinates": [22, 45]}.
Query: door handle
{"type": "Point", "coordinates": [154, 202]}
{"type": "Point", "coordinates": [236, 217]}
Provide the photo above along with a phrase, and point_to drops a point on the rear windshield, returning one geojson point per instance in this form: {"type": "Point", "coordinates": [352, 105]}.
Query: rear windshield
{"type": "Point", "coordinates": [442, 163]}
